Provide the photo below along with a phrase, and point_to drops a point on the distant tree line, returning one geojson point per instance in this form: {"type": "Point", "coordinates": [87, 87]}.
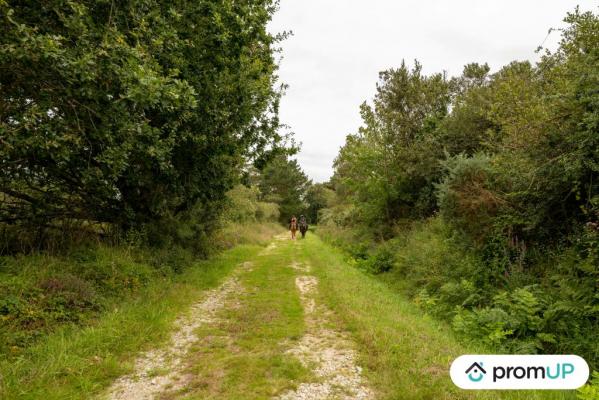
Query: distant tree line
{"type": "Point", "coordinates": [283, 182]}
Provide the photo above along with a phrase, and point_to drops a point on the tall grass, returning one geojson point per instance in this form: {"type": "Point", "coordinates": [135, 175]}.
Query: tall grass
{"type": "Point", "coordinates": [41, 292]}
{"type": "Point", "coordinates": [78, 361]}
{"type": "Point", "coordinates": [406, 354]}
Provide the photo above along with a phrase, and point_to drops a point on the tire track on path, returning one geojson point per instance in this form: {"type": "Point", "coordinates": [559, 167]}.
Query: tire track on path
{"type": "Point", "coordinates": [328, 352]}
{"type": "Point", "coordinates": [160, 370]}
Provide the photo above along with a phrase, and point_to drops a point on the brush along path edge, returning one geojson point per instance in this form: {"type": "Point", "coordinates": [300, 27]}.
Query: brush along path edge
{"type": "Point", "coordinates": [330, 353]}
{"type": "Point", "coordinates": [159, 370]}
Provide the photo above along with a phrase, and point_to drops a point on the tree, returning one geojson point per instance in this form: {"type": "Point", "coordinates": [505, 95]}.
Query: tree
{"type": "Point", "coordinates": [390, 166]}
{"type": "Point", "coordinates": [130, 112]}
{"type": "Point", "coordinates": [318, 196]}
{"type": "Point", "coordinates": [468, 127]}
{"type": "Point", "coordinates": [510, 160]}
{"type": "Point", "coordinates": [283, 182]}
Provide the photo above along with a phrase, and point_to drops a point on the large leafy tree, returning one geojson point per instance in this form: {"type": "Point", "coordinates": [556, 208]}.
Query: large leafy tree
{"type": "Point", "coordinates": [128, 112]}
{"type": "Point", "coordinates": [538, 124]}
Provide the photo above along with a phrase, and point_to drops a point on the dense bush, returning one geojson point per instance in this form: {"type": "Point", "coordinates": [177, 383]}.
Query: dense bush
{"type": "Point", "coordinates": [540, 309]}
{"type": "Point", "coordinates": [590, 391]}
{"type": "Point", "coordinates": [130, 113]}
{"type": "Point", "coordinates": [483, 189]}
{"type": "Point", "coordinates": [267, 211]}
{"type": "Point", "coordinates": [39, 293]}
{"type": "Point", "coordinates": [244, 206]}
{"type": "Point", "coordinates": [468, 196]}
{"type": "Point", "coordinates": [381, 261]}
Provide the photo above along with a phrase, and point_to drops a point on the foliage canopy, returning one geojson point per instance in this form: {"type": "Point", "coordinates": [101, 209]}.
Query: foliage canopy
{"type": "Point", "coordinates": [130, 112]}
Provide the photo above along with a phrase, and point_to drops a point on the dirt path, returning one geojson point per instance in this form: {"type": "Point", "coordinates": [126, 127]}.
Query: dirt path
{"type": "Point", "coordinates": [328, 352]}
{"type": "Point", "coordinates": [160, 370]}
{"type": "Point", "coordinates": [265, 316]}
{"type": "Point", "coordinates": [275, 328]}
{"type": "Point", "coordinates": [274, 245]}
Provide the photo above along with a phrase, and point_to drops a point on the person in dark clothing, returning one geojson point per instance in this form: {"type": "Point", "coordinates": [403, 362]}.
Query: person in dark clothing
{"type": "Point", "coordinates": [303, 225]}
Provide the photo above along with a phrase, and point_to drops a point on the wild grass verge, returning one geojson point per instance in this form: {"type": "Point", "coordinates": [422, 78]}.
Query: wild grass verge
{"type": "Point", "coordinates": [69, 323]}
{"type": "Point", "coordinates": [407, 352]}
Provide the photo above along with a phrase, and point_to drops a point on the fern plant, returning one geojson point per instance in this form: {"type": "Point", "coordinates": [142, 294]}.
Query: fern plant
{"type": "Point", "coordinates": [590, 391]}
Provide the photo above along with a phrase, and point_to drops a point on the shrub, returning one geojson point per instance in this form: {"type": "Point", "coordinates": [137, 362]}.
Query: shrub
{"type": "Point", "coordinates": [467, 196]}
{"type": "Point", "coordinates": [450, 297]}
{"type": "Point", "coordinates": [39, 293]}
{"type": "Point", "coordinates": [232, 235]}
{"type": "Point", "coordinates": [243, 207]}
{"type": "Point", "coordinates": [75, 293]}
{"type": "Point", "coordinates": [31, 307]}
{"type": "Point", "coordinates": [381, 261]}
{"type": "Point", "coordinates": [430, 256]}
{"type": "Point", "coordinates": [267, 212]}
{"type": "Point", "coordinates": [174, 259]}
{"type": "Point", "coordinates": [549, 306]}
{"type": "Point", "coordinates": [486, 325]}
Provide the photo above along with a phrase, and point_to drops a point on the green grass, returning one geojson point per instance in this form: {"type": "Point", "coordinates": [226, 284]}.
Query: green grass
{"type": "Point", "coordinates": [77, 363]}
{"type": "Point", "coordinates": [243, 356]}
{"type": "Point", "coordinates": [406, 354]}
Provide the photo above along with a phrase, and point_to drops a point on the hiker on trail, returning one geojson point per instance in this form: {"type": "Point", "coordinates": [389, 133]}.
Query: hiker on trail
{"type": "Point", "coordinates": [293, 227]}
{"type": "Point", "coordinates": [303, 225]}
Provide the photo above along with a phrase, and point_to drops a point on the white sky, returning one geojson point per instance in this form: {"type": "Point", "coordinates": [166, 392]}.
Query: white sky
{"type": "Point", "coordinates": [331, 62]}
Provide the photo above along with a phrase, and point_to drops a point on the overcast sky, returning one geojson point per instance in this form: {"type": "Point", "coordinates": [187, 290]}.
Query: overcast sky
{"type": "Point", "coordinates": [331, 62]}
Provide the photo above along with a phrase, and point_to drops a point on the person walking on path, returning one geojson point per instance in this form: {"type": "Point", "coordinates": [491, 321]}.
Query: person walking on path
{"type": "Point", "coordinates": [293, 227]}
{"type": "Point", "coordinates": [303, 225]}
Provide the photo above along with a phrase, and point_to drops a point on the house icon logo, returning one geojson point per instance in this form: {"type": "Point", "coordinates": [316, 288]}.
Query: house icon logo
{"type": "Point", "coordinates": [476, 372]}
